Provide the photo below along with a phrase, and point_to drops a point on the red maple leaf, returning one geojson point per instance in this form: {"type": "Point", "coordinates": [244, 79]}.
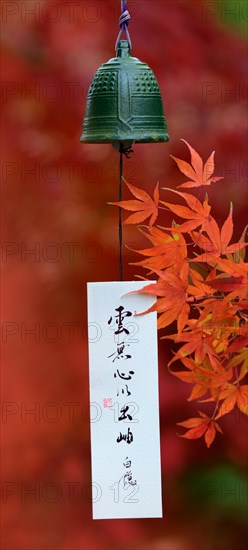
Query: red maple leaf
{"type": "Point", "coordinates": [199, 175]}
{"type": "Point", "coordinates": [199, 339]}
{"type": "Point", "coordinates": [206, 295]}
{"type": "Point", "coordinates": [200, 426]}
{"type": "Point", "coordinates": [232, 395]}
{"type": "Point", "coordinates": [240, 360]}
{"type": "Point", "coordinates": [209, 374]}
{"type": "Point", "coordinates": [196, 212]}
{"type": "Point", "coordinates": [144, 207]}
{"type": "Point", "coordinates": [200, 287]}
{"type": "Point", "coordinates": [217, 242]}
{"type": "Point", "coordinates": [172, 252]}
{"type": "Point", "coordinates": [237, 283]}
{"type": "Point", "coordinates": [171, 290]}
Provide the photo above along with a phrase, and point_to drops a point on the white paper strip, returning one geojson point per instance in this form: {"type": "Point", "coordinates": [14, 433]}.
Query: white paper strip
{"type": "Point", "coordinates": [125, 442]}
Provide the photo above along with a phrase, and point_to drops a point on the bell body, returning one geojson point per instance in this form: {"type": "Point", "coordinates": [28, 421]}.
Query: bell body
{"type": "Point", "coordinates": [124, 103]}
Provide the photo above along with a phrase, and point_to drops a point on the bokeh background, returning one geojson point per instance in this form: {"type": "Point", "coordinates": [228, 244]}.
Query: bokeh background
{"type": "Point", "coordinates": [59, 233]}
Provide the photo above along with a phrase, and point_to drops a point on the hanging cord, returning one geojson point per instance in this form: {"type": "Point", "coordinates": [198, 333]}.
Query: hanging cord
{"type": "Point", "coordinates": [120, 218]}
{"type": "Point", "coordinates": [124, 20]}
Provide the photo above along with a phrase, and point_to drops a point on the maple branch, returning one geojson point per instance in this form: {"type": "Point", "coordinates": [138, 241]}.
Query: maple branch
{"type": "Point", "coordinates": [163, 208]}
{"type": "Point", "coordinates": [216, 408]}
{"type": "Point", "coordinates": [200, 305]}
{"type": "Point", "coordinates": [237, 376]}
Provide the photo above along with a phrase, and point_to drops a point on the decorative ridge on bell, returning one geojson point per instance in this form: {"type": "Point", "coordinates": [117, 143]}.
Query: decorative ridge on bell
{"type": "Point", "coordinates": [124, 103]}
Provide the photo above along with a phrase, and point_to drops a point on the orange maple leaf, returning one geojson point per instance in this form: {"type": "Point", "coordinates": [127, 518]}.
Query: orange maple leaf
{"type": "Point", "coordinates": [209, 376]}
{"type": "Point", "coordinates": [240, 254]}
{"type": "Point", "coordinates": [198, 389]}
{"type": "Point", "coordinates": [196, 212]}
{"type": "Point", "coordinates": [155, 235]}
{"type": "Point", "coordinates": [200, 287]}
{"type": "Point", "coordinates": [240, 360]}
{"type": "Point", "coordinates": [201, 426]}
{"type": "Point", "coordinates": [206, 295]}
{"type": "Point", "coordinates": [218, 313]}
{"type": "Point", "coordinates": [199, 339]}
{"type": "Point", "coordinates": [218, 241]}
{"type": "Point", "coordinates": [228, 266]}
{"type": "Point", "coordinates": [172, 252]}
{"type": "Point", "coordinates": [199, 175]}
{"type": "Point", "coordinates": [144, 207]}
{"type": "Point", "coordinates": [232, 395]}
{"type": "Point", "coordinates": [237, 282]}
{"type": "Point", "coordinates": [171, 290]}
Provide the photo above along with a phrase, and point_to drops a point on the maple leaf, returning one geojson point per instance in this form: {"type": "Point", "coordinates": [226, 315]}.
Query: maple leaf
{"type": "Point", "coordinates": [226, 284]}
{"type": "Point", "coordinates": [233, 395]}
{"type": "Point", "coordinates": [172, 252]}
{"type": "Point", "coordinates": [215, 311]}
{"type": "Point", "coordinates": [209, 376]}
{"type": "Point", "coordinates": [144, 207]}
{"type": "Point", "coordinates": [240, 360]}
{"type": "Point", "coordinates": [200, 287]}
{"type": "Point", "coordinates": [218, 241]}
{"type": "Point", "coordinates": [212, 286]}
{"type": "Point", "coordinates": [171, 290]}
{"type": "Point", "coordinates": [228, 266]}
{"type": "Point", "coordinates": [199, 389]}
{"type": "Point", "coordinates": [200, 426]}
{"type": "Point", "coordinates": [240, 254]}
{"type": "Point", "coordinates": [155, 235]}
{"type": "Point", "coordinates": [196, 212]}
{"type": "Point", "coordinates": [198, 340]}
{"type": "Point", "coordinates": [237, 283]}
{"type": "Point", "coordinates": [199, 175]}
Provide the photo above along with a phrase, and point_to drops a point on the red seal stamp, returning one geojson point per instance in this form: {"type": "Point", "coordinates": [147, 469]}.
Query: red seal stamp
{"type": "Point", "coordinates": [107, 402]}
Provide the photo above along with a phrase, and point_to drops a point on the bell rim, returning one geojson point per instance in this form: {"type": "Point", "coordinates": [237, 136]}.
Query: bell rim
{"type": "Point", "coordinates": [160, 139]}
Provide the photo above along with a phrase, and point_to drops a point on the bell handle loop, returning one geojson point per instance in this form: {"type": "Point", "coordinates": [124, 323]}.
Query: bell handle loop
{"type": "Point", "coordinates": [123, 22]}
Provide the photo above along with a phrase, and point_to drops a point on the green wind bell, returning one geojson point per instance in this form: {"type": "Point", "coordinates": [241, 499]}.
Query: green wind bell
{"type": "Point", "coordinates": [124, 105]}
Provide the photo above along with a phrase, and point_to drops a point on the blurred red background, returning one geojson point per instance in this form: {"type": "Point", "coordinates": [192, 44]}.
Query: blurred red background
{"type": "Point", "coordinates": [59, 233]}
